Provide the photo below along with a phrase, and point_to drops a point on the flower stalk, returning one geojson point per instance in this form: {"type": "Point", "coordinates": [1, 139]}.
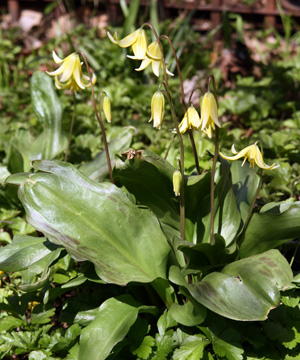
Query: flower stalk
{"type": "Point", "coordinates": [99, 118]}
{"type": "Point", "coordinates": [213, 170]}
{"type": "Point", "coordinates": [166, 83]}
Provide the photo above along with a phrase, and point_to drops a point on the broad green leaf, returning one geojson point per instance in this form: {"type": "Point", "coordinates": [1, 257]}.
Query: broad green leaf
{"type": "Point", "coordinates": [149, 178]}
{"type": "Point", "coordinates": [245, 182]}
{"type": "Point", "coordinates": [274, 225]}
{"type": "Point", "coordinates": [48, 108]}
{"type": "Point", "coordinates": [189, 314]}
{"type": "Point", "coordinates": [246, 289]}
{"type": "Point", "coordinates": [110, 326]}
{"type": "Point", "coordinates": [227, 219]}
{"type": "Point", "coordinates": [97, 169]}
{"type": "Point", "coordinates": [95, 222]}
{"type": "Point", "coordinates": [23, 252]}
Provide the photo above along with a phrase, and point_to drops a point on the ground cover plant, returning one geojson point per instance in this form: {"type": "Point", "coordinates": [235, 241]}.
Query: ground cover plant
{"type": "Point", "coordinates": [161, 245]}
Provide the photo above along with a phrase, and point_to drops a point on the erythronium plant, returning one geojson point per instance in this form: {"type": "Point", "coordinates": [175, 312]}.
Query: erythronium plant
{"type": "Point", "coordinates": [185, 256]}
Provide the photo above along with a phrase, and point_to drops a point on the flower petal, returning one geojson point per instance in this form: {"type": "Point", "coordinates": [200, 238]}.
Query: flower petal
{"type": "Point", "coordinates": [56, 58]}
{"type": "Point", "coordinates": [155, 67]}
{"type": "Point", "coordinates": [144, 64]}
{"type": "Point", "coordinates": [69, 68]}
{"type": "Point", "coordinates": [128, 40]}
{"type": "Point", "coordinates": [77, 77]}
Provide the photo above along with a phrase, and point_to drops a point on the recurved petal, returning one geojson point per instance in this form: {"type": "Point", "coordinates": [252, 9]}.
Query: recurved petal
{"type": "Point", "coordinates": [128, 40]}
{"type": "Point", "coordinates": [144, 64]}
{"type": "Point", "coordinates": [58, 71]}
{"type": "Point", "coordinates": [112, 38]}
{"type": "Point", "coordinates": [77, 75]}
{"type": "Point", "coordinates": [69, 68]}
{"type": "Point", "coordinates": [155, 67]}
{"type": "Point", "coordinates": [56, 58]}
{"type": "Point", "coordinates": [169, 72]}
{"type": "Point", "coordinates": [260, 162]}
{"type": "Point", "coordinates": [184, 125]}
{"type": "Point", "coordinates": [235, 157]}
{"type": "Point", "coordinates": [193, 118]}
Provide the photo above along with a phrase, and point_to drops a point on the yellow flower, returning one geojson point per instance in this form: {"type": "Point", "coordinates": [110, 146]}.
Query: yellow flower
{"type": "Point", "coordinates": [137, 40]}
{"type": "Point", "coordinates": [32, 305]}
{"type": "Point", "coordinates": [253, 155]}
{"type": "Point", "coordinates": [190, 120]}
{"type": "Point", "coordinates": [177, 178]}
{"type": "Point", "coordinates": [71, 74]}
{"type": "Point", "coordinates": [107, 108]}
{"type": "Point", "coordinates": [154, 56]}
{"type": "Point", "coordinates": [157, 109]}
{"type": "Point", "coordinates": [209, 114]}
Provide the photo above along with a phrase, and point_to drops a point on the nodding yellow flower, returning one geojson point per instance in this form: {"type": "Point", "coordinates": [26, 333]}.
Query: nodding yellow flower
{"type": "Point", "coordinates": [107, 108]}
{"type": "Point", "coordinates": [209, 114]}
{"type": "Point", "coordinates": [71, 77]}
{"type": "Point", "coordinates": [157, 109]}
{"type": "Point", "coordinates": [137, 40]}
{"type": "Point", "coordinates": [177, 178]}
{"type": "Point", "coordinates": [253, 155]}
{"type": "Point", "coordinates": [190, 120]}
{"type": "Point", "coordinates": [154, 56]}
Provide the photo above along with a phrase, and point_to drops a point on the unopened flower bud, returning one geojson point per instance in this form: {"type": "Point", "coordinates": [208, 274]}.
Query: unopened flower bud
{"type": "Point", "coordinates": [209, 114]}
{"type": "Point", "coordinates": [177, 178]}
{"type": "Point", "coordinates": [157, 109]}
{"type": "Point", "coordinates": [107, 108]}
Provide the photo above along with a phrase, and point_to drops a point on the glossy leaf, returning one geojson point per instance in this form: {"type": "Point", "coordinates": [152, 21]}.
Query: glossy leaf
{"type": "Point", "coordinates": [48, 108]}
{"type": "Point", "coordinates": [274, 225]}
{"type": "Point", "coordinates": [227, 216]}
{"type": "Point", "coordinates": [246, 289]}
{"type": "Point", "coordinates": [97, 169]}
{"type": "Point", "coordinates": [110, 326]}
{"type": "Point", "coordinates": [23, 252]}
{"type": "Point", "coordinates": [95, 222]}
{"type": "Point", "coordinates": [149, 178]}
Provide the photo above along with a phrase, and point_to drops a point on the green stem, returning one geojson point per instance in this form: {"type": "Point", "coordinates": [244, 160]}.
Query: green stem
{"type": "Point", "coordinates": [213, 170]}
{"type": "Point", "coordinates": [212, 189]}
{"type": "Point", "coordinates": [99, 118]}
{"type": "Point", "coordinates": [169, 147]}
{"type": "Point", "coordinates": [183, 102]}
{"type": "Point", "coordinates": [182, 209]}
{"type": "Point", "coordinates": [71, 127]}
{"type": "Point", "coordinates": [294, 255]}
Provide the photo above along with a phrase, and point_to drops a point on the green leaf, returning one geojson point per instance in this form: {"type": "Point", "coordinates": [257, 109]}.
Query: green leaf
{"type": "Point", "coordinates": [97, 169]}
{"type": "Point", "coordinates": [73, 211]}
{"type": "Point", "coordinates": [189, 314]}
{"type": "Point", "coordinates": [23, 252]}
{"type": "Point", "coordinates": [48, 108]}
{"type": "Point", "coordinates": [110, 326]}
{"type": "Point", "coordinates": [41, 317]}
{"type": "Point", "coordinates": [227, 347]}
{"type": "Point", "coordinates": [227, 211]}
{"type": "Point", "coordinates": [245, 182]}
{"type": "Point", "coordinates": [149, 178]}
{"type": "Point", "coordinates": [246, 289]}
{"type": "Point", "coordinates": [274, 225]}
{"type": "Point", "coordinates": [145, 349]}
{"type": "Point", "coordinates": [10, 322]}
{"type": "Point", "coordinates": [191, 349]}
